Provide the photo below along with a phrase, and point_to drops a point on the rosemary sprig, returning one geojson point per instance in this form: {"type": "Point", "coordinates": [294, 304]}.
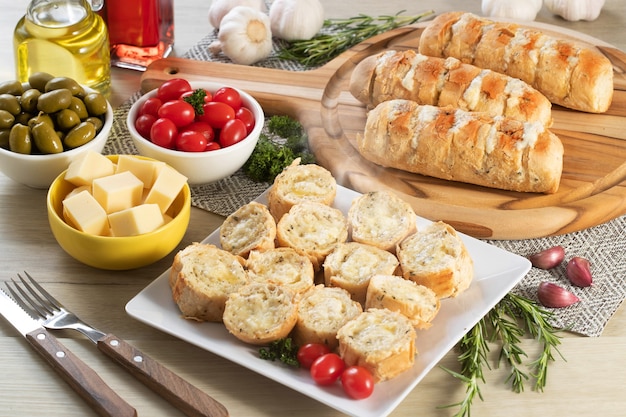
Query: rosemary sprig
{"type": "Point", "coordinates": [512, 318]}
{"type": "Point", "coordinates": [338, 35]}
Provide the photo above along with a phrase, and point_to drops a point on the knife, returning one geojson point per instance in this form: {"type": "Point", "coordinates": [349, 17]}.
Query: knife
{"type": "Point", "coordinates": [84, 380]}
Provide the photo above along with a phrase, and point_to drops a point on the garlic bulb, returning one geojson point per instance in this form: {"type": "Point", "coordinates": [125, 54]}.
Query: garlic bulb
{"type": "Point", "coordinates": [512, 9]}
{"type": "Point", "coordinates": [219, 8]}
{"type": "Point", "coordinates": [575, 10]}
{"type": "Point", "coordinates": [244, 36]}
{"type": "Point", "coordinates": [293, 20]}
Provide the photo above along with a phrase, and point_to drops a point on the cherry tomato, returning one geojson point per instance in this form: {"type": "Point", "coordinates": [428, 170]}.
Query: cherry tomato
{"type": "Point", "coordinates": [217, 114]}
{"type": "Point", "coordinates": [228, 96]}
{"type": "Point", "coordinates": [207, 95]}
{"type": "Point", "coordinates": [201, 127]}
{"type": "Point", "coordinates": [191, 141]}
{"type": "Point", "coordinates": [151, 106]}
{"type": "Point", "coordinates": [143, 124]}
{"type": "Point", "coordinates": [172, 89]}
{"type": "Point", "coordinates": [246, 116]}
{"type": "Point", "coordinates": [309, 352]}
{"type": "Point", "coordinates": [357, 382]}
{"type": "Point", "coordinates": [178, 111]}
{"type": "Point", "coordinates": [213, 146]}
{"type": "Point", "coordinates": [163, 133]}
{"type": "Point", "coordinates": [327, 369]}
{"type": "Point", "coordinates": [234, 131]}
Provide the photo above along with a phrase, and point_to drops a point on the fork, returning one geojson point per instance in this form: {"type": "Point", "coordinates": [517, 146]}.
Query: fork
{"type": "Point", "coordinates": [53, 315]}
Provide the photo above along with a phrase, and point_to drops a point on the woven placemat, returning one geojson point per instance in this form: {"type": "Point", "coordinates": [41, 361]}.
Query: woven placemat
{"type": "Point", "coordinates": [603, 245]}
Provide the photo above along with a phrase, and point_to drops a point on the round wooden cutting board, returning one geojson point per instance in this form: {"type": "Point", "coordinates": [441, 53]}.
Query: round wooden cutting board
{"type": "Point", "coordinates": [593, 184]}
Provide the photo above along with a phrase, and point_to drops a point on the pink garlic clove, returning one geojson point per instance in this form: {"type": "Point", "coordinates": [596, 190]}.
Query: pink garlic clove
{"type": "Point", "coordinates": [578, 271]}
{"type": "Point", "coordinates": [548, 258]}
{"type": "Point", "coordinates": [555, 296]}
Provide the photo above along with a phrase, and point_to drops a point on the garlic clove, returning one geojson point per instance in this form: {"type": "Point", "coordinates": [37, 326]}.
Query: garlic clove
{"type": "Point", "coordinates": [219, 9]}
{"type": "Point", "coordinates": [548, 258]}
{"type": "Point", "coordinates": [555, 296]}
{"type": "Point", "coordinates": [578, 271]}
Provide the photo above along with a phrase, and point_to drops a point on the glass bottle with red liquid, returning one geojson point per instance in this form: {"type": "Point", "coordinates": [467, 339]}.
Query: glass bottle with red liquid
{"type": "Point", "coordinates": [140, 31]}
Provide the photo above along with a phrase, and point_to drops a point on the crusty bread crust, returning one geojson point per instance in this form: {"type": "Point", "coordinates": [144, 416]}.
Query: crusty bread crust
{"type": "Point", "coordinates": [351, 265]}
{"type": "Point", "coordinates": [418, 303]}
{"type": "Point", "coordinates": [260, 313]}
{"type": "Point", "coordinates": [322, 311]}
{"type": "Point", "coordinates": [202, 277]}
{"type": "Point", "coordinates": [281, 266]}
{"type": "Point", "coordinates": [381, 219]}
{"type": "Point", "coordinates": [251, 227]}
{"type": "Point", "coordinates": [470, 147]}
{"type": "Point", "coordinates": [447, 82]}
{"type": "Point", "coordinates": [380, 340]}
{"type": "Point", "coordinates": [437, 258]}
{"type": "Point", "coordinates": [566, 72]}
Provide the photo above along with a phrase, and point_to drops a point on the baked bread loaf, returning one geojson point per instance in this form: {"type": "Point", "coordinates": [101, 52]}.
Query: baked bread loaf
{"type": "Point", "coordinates": [470, 147]}
{"type": "Point", "coordinates": [381, 219]}
{"type": "Point", "coordinates": [322, 311]}
{"type": "Point", "coordinates": [446, 82]}
{"type": "Point", "coordinates": [202, 277]}
{"type": "Point", "coordinates": [437, 258]}
{"type": "Point", "coordinates": [312, 228]}
{"type": "Point", "coordinates": [251, 227]}
{"type": "Point", "coordinates": [380, 340]}
{"type": "Point", "coordinates": [418, 303]}
{"type": "Point", "coordinates": [298, 183]}
{"type": "Point", "coordinates": [567, 73]}
{"type": "Point", "coordinates": [260, 313]}
{"type": "Point", "coordinates": [281, 266]}
{"type": "Point", "coordinates": [351, 265]}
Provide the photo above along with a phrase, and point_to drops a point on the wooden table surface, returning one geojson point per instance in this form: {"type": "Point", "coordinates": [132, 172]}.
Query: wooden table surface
{"type": "Point", "coordinates": [590, 381]}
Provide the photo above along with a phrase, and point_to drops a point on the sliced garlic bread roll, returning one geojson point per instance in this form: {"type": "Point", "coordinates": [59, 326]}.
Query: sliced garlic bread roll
{"type": "Point", "coordinates": [281, 266]}
{"type": "Point", "coordinates": [251, 227]}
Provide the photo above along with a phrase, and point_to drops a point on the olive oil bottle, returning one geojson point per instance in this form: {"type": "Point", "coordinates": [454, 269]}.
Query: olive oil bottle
{"type": "Point", "coordinates": [64, 38]}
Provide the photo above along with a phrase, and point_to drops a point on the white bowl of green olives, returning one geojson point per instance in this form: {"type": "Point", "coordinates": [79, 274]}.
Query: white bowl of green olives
{"type": "Point", "coordinates": [46, 123]}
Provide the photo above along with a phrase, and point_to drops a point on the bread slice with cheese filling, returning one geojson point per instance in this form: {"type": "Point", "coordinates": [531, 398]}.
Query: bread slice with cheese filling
{"type": "Point", "coordinates": [251, 227]}
{"type": "Point", "coordinates": [281, 266]}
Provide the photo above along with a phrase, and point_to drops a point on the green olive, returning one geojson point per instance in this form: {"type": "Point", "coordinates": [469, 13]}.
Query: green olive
{"type": "Point", "coordinates": [58, 83]}
{"type": "Point", "coordinates": [66, 119]}
{"type": "Point", "coordinates": [96, 104]}
{"type": "Point", "coordinates": [29, 98]}
{"type": "Point", "coordinates": [10, 103]}
{"type": "Point", "coordinates": [96, 121]}
{"type": "Point", "coordinates": [6, 119]}
{"type": "Point", "coordinates": [54, 101]}
{"type": "Point", "coordinates": [46, 138]}
{"type": "Point", "coordinates": [23, 118]}
{"type": "Point", "coordinates": [78, 107]}
{"type": "Point", "coordinates": [38, 80]}
{"type": "Point", "coordinates": [41, 117]}
{"type": "Point", "coordinates": [80, 135]}
{"type": "Point", "coordinates": [11, 87]}
{"type": "Point", "coordinates": [20, 139]}
{"type": "Point", "coordinates": [4, 138]}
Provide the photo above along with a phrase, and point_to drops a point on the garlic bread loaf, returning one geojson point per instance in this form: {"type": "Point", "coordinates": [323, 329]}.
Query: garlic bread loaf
{"type": "Point", "coordinates": [259, 313]}
{"type": "Point", "coordinates": [251, 227]}
{"type": "Point", "coordinates": [446, 82]}
{"type": "Point", "coordinates": [380, 340]}
{"type": "Point", "coordinates": [202, 277]}
{"type": "Point", "coordinates": [469, 147]}
{"type": "Point", "coordinates": [381, 219]}
{"type": "Point", "coordinates": [322, 311]}
{"type": "Point", "coordinates": [418, 303]}
{"type": "Point", "coordinates": [567, 73]}
{"type": "Point", "coordinates": [281, 266]}
{"type": "Point", "coordinates": [437, 258]}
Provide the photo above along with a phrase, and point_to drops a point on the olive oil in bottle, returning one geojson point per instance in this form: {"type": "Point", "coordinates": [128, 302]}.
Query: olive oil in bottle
{"type": "Point", "coordinates": [64, 38]}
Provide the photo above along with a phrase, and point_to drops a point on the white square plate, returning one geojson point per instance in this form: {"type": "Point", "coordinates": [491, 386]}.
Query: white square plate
{"type": "Point", "coordinates": [496, 273]}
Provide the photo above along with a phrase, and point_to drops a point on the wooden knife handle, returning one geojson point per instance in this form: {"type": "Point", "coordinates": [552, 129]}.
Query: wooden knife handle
{"type": "Point", "coordinates": [84, 380]}
{"type": "Point", "coordinates": [180, 393]}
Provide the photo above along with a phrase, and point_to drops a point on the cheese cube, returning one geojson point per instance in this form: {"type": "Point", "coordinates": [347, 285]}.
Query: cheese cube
{"type": "Point", "coordinates": [83, 212]}
{"type": "Point", "coordinates": [118, 191]}
{"type": "Point", "coordinates": [85, 169]}
{"type": "Point", "coordinates": [147, 171]}
{"type": "Point", "coordinates": [166, 187]}
{"type": "Point", "coordinates": [136, 220]}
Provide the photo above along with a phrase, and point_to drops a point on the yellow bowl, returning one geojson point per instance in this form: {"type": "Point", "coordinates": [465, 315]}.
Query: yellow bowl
{"type": "Point", "coordinates": [117, 253]}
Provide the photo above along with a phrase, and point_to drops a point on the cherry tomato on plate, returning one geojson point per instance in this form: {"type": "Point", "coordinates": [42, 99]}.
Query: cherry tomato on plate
{"type": "Point", "coordinates": [151, 106]}
{"type": "Point", "coordinates": [217, 114]}
{"type": "Point", "coordinates": [143, 124]}
{"type": "Point", "coordinates": [308, 353]}
{"type": "Point", "coordinates": [327, 369]}
{"type": "Point", "coordinates": [178, 111]}
{"type": "Point", "coordinates": [247, 117]}
{"type": "Point", "coordinates": [357, 382]}
{"type": "Point", "coordinates": [228, 95]}
{"type": "Point", "coordinates": [173, 89]}
{"type": "Point", "coordinates": [234, 131]}
{"type": "Point", "coordinates": [191, 141]}
{"type": "Point", "coordinates": [163, 133]}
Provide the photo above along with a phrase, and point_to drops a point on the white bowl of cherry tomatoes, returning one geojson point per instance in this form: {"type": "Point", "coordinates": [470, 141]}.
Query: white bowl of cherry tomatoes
{"type": "Point", "coordinates": [205, 130]}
